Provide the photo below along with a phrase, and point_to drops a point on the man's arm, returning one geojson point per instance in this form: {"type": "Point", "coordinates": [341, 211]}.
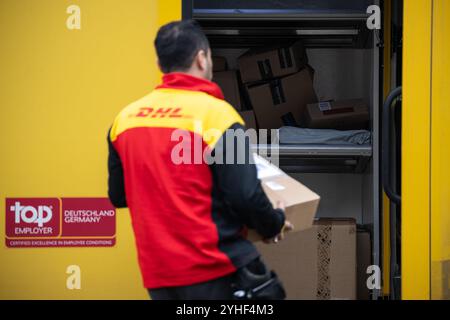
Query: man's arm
{"type": "Point", "coordinates": [116, 186]}
{"type": "Point", "coordinates": [242, 189]}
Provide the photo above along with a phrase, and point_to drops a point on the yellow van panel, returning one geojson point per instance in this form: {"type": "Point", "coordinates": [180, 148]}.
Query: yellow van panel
{"type": "Point", "coordinates": [416, 149]}
{"type": "Point", "coordinates": [59, 92]}
{"type": "Point", "coordinates": [440, 153]}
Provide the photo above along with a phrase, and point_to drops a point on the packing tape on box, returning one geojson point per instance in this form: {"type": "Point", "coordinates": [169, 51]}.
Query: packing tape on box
{"type": "Point", "coordinates": [265, 69]}
{"type": "Point", "coordinates": [277, 92]}
{"type": "Point", "coordinates": [285, 57]}
{"type": "Point", "coordinates": [286, 61]}
{"type": "Point", "coordinates": [323, 262]}
{"type": "Point", "coordinates": [288, 119]}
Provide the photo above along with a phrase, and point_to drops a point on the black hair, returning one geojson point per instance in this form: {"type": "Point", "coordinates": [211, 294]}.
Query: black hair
{"type": "Point", "coordinates": [177, 43]}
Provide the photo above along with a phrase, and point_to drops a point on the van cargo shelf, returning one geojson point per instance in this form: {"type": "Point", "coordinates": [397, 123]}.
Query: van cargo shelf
{"type": "Point", "coordinates": [303, 158]}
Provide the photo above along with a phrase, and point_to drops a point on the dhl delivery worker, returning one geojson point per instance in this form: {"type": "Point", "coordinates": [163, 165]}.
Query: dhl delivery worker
{"type": "Point", "coordinates": [187, 216]}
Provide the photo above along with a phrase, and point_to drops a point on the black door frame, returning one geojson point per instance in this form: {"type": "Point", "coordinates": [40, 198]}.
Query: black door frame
{"type": "Point", "coordinates": [186, 9]}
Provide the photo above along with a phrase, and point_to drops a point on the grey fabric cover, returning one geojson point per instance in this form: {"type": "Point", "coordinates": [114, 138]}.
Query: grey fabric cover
{"type": "Point", "coordinates": [294, 135]}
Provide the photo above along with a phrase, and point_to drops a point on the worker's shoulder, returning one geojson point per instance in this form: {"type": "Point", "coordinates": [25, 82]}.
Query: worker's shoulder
{"type": "Point", "coordinates": [122, 120]}
{"type": "Point", "coordinates": [201, 103]}
{"type": "Point", "coordinates": [135, 106]}
{"type": "Point", "coordinates": [221, 109]}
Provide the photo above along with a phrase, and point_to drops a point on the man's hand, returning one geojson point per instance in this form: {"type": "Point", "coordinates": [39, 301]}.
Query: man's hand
{"type": "Point", "coordinates": [286, 228]}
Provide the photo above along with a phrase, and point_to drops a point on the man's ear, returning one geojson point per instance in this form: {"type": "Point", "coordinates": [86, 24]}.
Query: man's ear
{"type": "Point", "coordinates": [202, 60]}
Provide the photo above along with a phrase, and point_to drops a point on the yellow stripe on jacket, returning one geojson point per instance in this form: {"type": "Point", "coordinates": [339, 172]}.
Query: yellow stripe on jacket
{"type": "Point", "coordinates": [192, 111]}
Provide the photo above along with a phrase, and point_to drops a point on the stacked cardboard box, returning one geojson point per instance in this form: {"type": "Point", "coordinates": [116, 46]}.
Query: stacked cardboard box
{"type": "Point", "coordinates": [219, 63]}
{"type": "Point", "coordinates": [228, 82]}
{"type": "Point", "coordinates": [279, 84]}
{"type": "Point", "coordinates": [268, 64]}
{"type": "Point", "coordinates": [282, 101]}
{"type": "Point", "coordinates": [342, 115]}
{"type": "Point", "coordinates": [318, 263]}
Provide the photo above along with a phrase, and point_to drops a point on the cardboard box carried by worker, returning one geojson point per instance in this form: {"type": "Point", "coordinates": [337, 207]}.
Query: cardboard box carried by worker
{"type": "Point", "coordinates": [301, 203]}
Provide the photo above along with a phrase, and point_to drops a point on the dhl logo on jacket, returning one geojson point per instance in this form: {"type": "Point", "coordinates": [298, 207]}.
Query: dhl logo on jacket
{"type": "Point", "coordinates": [178, 104]}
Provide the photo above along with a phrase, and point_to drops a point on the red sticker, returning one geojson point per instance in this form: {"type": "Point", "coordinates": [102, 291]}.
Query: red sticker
{"type": "Point", "coordinates": [60, 222]}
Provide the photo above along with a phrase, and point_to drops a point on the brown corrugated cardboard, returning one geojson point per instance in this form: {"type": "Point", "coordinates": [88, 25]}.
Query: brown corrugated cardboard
{"type": "Point", "coordinates": [249, 119]}
{"type": "Point", "coordinates": [318, 263]}
{"type": "Point", "coordinates": [282, 101]}
{"type": "Point", "coordinates": [219, 63]}
{"type": "Point", "coordinates": [272, 63]}
{"type": "Point", "coordinates": [364, 258]}
{"type": "Point", "coordinates": [301, 203]}
{"type": "Point", "coordinates": [228, 82]}
{"type": "Point", "coordinates": [342, 115]}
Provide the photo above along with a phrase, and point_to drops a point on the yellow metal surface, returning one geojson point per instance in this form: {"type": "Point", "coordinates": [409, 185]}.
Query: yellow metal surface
{"type": "Point", "coordinates": [168, 10]}
{"type": "Point", "coordinates": [416, 149]}
{"type": "Point", "coordinates": [440, 152]}
{"type": "Point", "coordinates": [59, 92]}
{"type": "Point", "coordinates": [386, 247]}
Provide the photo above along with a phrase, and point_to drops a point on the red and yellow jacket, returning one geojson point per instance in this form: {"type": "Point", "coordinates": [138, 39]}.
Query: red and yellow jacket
{"type": "Point", "coordinates": [188, 217]}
